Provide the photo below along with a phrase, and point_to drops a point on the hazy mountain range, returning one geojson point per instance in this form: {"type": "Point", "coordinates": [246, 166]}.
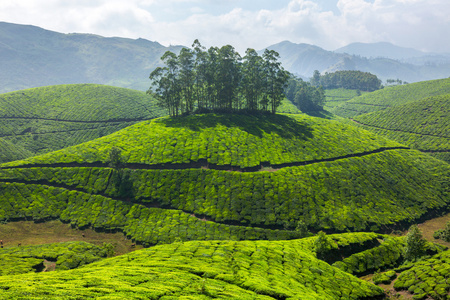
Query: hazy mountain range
{"type": "Point", "coordinates": [31, 56]}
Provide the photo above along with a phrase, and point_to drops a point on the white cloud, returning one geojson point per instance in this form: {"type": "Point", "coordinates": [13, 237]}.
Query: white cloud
{"type": "Point", "coordinates": [422, 24]}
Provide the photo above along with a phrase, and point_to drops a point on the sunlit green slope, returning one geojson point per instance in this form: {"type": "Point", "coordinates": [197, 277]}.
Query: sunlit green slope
{"type": "Point", "coordinates": [229, 177]}
{"type": "Point", "coordinates": [49, 118]}
{"type": "Point", "coordinates": [422, 125]}
{"type": "Point", "coordinates": [392, 96]}
{"type": "Point", "coordinates": [205, 270]}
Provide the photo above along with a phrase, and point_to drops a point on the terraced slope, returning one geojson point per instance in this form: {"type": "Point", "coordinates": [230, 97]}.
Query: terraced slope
{"type": "Point", "coordinates": [428, 278]}
{"type": "Point", "coordinates": [205, 270]}
{"type": "Point", "coordinates": [422, 125]}
{"type": "Point", "coordinates": [337, 97]}
{"type": "Point", "coordinates": [44, 119]}
{"type": "Point", "coordinates": [392, 96]}
{"type": "Point", "coordinates": [228, 177]}
{"type": "Point", "coordinates": [10, 152]}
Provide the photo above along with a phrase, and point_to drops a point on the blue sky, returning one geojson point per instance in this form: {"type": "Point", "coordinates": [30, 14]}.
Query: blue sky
{"type": "Point", "coordinates": [330, 24]}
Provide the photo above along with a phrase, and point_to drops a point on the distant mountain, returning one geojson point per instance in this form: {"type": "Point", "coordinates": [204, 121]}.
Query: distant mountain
{"type": "Point", "coordinates": [303, 59]}
{"type": "Point", "coordinates": [31, 57]}
{"type": "Point", "coordinates": [382, 49]}
{"type": "Point", "coordinates": [388, 50]}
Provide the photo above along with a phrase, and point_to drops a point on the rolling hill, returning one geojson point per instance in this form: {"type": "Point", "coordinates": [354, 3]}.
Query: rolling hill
{"type": "Point", "coordinates": [422, 125]}
{"type": "Point", "coordinates": [44, 119]}
{"type": "Point", "coordinates": [392, 96]}
{"type": "Point", "coordinates": [228, 177]}
{"type": "Point", "coordinates": [292, 269]}
{"type": "Point", "coordinates": [210, 270]}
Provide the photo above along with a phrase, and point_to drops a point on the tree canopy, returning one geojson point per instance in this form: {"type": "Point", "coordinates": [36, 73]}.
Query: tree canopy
{"type": "Point", "coordinates": [305, 96]}
{"type": "Point", "coordinates": [355, 80]}
{"type": "Point", "coordinates": [219, 79]}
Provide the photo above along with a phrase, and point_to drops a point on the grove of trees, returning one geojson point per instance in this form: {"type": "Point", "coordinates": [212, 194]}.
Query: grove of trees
{"type": "Point", "coordinates": [305, 96]}
{"type": "Point", "coordinates": [219, 79]}
{"type": "Point", "coordinates": [355, 80]}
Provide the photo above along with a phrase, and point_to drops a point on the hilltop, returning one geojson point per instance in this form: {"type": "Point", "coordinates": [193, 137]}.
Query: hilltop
{"type": "Point", "coordinates": [422, 124]}
{"type": "Point", "coordinates": [392, 96]}
{"type": "Point", "coordinates": [229, 177]}
{"type": "Point", "coordinates": [44, 119]}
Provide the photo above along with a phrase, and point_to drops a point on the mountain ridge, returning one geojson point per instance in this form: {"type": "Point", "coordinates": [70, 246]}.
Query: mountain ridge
{"type": "Point", "coordinates": [31, 56]}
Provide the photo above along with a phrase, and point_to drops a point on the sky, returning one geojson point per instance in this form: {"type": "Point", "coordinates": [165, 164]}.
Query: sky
{"type": "Point", "coordinates": [330, 24]}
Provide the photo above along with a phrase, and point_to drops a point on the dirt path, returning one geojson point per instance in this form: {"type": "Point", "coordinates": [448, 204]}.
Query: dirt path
{"type": "Point", "coordinates": [30, 233]}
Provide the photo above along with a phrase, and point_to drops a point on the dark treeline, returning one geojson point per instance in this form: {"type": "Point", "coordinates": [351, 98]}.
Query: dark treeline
{"type": "Point", "coordinates": [355, 80]}
{"type": "Point", "coordinates": [219, 79]}
{"type": "Point", "coordinates": [305, 96]}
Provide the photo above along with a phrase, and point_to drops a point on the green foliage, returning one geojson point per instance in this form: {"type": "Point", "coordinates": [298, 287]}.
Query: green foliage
{"type": "Point", "coordinates": [355, 80]}
{"type": "Point", "coordinates": [392, 96]}
{"type": "Point", "coordinates": [427, 278]}
{"type": "Point", "coordinates": [68, 255]}
{"type": "Point", "coordinates": [306, 97]}
{"type": "Point", "coordinates": [115, 158]}
{"type": "Point", "coordinates": [415, 244]}
{"type": "Point", "coordinates": [201, 270]}
{"type": "Point", "coordinates": [387, 254]}
{"type": "Point", "coordinates": [322, 245]}
{"type": "Point", "coordinates": [44, 119]}
{"type": "Point", "coordinates": [385, 277]}
{"type": "Point", "coordinates": [422, 124]}
{"type": "Point", "coordinates": [218, 80]}
{"type": "Point", "coordinates": [443, 234]}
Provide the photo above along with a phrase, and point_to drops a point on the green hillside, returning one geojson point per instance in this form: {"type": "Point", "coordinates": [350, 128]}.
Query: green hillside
{"type": "Point", "coordinates": [44, 119]}
{"type": "Point", "coordinates": [337, 97]}
{"type": "Point", "coordinates": [10, 152]}
{"type": "Point", "coordinates": [392, 96]}
{"type": "Point", "coordinates": [422, 125]}
{"type": "Point", "coordinates": [228, 177]}
{"type": "Point", "coordinates": [206, 270]}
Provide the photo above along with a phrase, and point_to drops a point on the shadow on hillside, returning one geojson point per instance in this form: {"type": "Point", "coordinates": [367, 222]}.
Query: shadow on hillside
{"type": "Point", "coordinates": [256, 124]}
{"type": "Point", "coordinates": [323, 114]}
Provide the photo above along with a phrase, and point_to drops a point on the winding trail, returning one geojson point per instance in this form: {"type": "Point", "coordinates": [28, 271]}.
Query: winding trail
{"type": "Point", "coordinates": [204, 164]}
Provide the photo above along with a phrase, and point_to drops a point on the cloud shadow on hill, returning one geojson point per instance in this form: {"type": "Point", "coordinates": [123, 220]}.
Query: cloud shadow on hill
{"type": "Point", "coordinates": [254, 124]}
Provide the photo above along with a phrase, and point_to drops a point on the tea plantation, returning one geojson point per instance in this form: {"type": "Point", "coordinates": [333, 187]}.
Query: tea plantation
{"type": "Point", "coordinates": [422, 124]}
{"type": "Point", "coordinates": [392, 96]}
{"type": "Point", "coordinates": [183, 180]}
{"type": "Point", "coordinates": [10, 152]}
{"type": "Point", "coordinates": [427, 278]}
{"type": "Point", "coordinates": [206, 270]}
{"type": "Point", "coordinates": [44, 119]}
